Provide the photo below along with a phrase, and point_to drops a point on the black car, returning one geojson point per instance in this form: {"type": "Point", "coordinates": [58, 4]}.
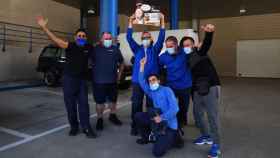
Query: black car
{"type": "Point", "coordinates": [51, 64]}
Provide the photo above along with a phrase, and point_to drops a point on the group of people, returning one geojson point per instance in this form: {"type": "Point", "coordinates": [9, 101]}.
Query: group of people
{"type": "Point", "coordinates": [189, 73]}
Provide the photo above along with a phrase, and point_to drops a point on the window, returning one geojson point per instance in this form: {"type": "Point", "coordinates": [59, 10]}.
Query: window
{"type": "Point", "coordinates": [50, 52]}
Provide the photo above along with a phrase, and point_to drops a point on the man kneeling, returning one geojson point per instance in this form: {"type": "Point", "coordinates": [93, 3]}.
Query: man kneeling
{"type": "Point", "coordinates": [159, 124]}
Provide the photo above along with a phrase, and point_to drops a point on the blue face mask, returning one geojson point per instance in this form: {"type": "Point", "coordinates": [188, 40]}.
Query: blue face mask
{"type": "Point", "coordinates": [81, 41]}
{"type": "Point", "coordinates": [171, 51]}
{"type": "Point", "coordinates": [187, 50]}
{"type": "Point", "coordinates": [146, 42]}
{"type": "Point", "coordinates": [154, 86]}
{"type": "Point", "coordinates": [107, 43]}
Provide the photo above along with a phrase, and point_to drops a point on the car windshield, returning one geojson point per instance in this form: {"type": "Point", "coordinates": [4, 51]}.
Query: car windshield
{"type": "Point", "coordinates": [50, 52]}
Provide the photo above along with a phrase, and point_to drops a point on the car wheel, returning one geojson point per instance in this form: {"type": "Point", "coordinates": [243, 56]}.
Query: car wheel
{"type": "Point", "coordinates": [50, 79]}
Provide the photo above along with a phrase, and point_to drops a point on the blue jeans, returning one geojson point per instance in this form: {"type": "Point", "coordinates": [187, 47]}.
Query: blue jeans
{"type": "Point", "coordinates": [75, 92]}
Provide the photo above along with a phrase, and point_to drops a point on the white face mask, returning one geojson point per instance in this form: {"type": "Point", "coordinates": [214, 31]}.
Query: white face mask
{"type": "Point", "coordinates": [107, 43]}
{"type": "Point", "coordinates": [146, 42]}
{"type": "Point", "coordinates": [154, 86]}
{"type": "Point", "coordinates": [187, 50]}
{"type": "Point", "coordinates": [171, 50]}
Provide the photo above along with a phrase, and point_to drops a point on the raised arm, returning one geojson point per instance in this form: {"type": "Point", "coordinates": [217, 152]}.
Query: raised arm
{"type": "Point", "coordinates": [161, 37]}
{"type": "Point", "coordinates": [207, 42]}
{"type": "Point", "coordinates": [43, 24]}
{"type": "Point", "coordinates": [173, 106]}
{"type": "Point", "coordinates": [132, 43]}
{"type": "Point", "coordinates": [142, 81]}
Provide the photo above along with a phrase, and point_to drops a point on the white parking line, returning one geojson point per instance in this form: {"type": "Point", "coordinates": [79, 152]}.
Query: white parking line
{"type": "Point", "coordinates": [47, 91]}
{"type": "Point", "coordinates": [54, 93]}
{"type": "Point", "coordinates": [15, 133]}
{"type": "Point", "coordinates": [31, 138]}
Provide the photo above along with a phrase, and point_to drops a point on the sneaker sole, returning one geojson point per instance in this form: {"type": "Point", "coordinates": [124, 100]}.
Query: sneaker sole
{"type": "Point", "coordinates": [204, 143]}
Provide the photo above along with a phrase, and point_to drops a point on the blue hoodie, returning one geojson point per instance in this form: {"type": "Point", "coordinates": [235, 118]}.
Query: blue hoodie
{"type": "Point", "coordinates": [178, 72]}
{"type": "Point", "coordinates": [164, 99]}
{"type": "Point", "coordinates": [152, 66]}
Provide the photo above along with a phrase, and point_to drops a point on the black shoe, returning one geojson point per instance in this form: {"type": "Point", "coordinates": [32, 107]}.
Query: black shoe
{"type": "Point", "coordinates": [133, 132]}
{"type": "Point", "coordinates": [89, 133]}
{"type": "Point", "coordinates": [115, 120]}
{"type": "Point", "coordinates": [142, 141]}
{"type": "Point", "coordinates": [99, 124]}
{"type": "Point", "coordinates": [73, 132]}
{"type": "Point", "coordinates": [179, 142]}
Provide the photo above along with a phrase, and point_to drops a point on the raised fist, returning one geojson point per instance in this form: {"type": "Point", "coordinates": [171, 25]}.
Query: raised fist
{"type": "Point", "coordinates": [208, 28]}
{"type": "Point", "coordinates": [143, 61]}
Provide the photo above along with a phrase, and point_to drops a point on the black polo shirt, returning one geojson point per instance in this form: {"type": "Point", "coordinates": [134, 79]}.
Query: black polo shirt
{"type": "Point", "coordinates": [106, 61]}
{"type": "Point", "coordinates": [77, 60]}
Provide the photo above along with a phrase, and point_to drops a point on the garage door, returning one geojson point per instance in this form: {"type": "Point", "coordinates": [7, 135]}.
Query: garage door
{"type": "Point", "coordinates": [258, 58]}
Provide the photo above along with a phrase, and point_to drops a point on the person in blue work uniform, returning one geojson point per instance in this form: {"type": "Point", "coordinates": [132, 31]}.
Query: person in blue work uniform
{"type": "Point", "coordinates": [178, 75]}
{"type": "Point", "coordinates": [151, 51]}
{"type": "Point", "coordinates": [74, 79]}
{"type": "Point", "coordinates": [164, 99]}
{"type": "Point", "coordinates": [206, 90]}
{"type": "Point", "coordinates": [106, 72]}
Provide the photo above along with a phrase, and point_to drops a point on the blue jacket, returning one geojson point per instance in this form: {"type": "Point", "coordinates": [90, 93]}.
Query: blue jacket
{"type": "Point", "coordinates": [164, 99]}
{"type": "Point", "coordinates": [178, 71]}
{"type": "Point", "coordinates": [152, 66]}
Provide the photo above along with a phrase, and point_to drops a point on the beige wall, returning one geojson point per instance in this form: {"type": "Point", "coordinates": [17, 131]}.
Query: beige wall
{"type": "Point", "coordinates": [16, 63]}
{"type": "Point", "coordinates": [61, 17]}
{"type": "Point", "coordinates": [230, 30]}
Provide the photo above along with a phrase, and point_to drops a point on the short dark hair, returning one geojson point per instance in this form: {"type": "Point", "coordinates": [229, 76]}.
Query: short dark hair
{"type": "Point", "coordinates": [184, 39]}
{"type": "Point", "coordinates": [81, 30]}
{"type": "Point", "coordinates": [172, 38]}
{"type": "Point", "coordinates": [151, 75]}
{"type": "Point", "coordinates": [107, 32]}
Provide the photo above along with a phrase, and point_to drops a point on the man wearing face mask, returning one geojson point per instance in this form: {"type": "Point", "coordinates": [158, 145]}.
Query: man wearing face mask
{"type": "Point", "coordinates": [178, 77]}
{"type": "Point", "coordinates": [107, 69]}
{"type": "Point", "coordinates": [163, 99]}
{"type": "Point", "coordinates": [206, 90]}
{"type": "Point", "coordinates": [74, 79]}
{"type": "Point", "coordinates": [151, 52]}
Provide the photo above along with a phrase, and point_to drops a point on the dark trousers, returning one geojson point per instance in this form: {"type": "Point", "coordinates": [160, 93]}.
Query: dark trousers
{"type": "Point", "coordinates": [183, 96]}
{"type": "Point", "coordinates": [76, 100]}
{"type": "Point", "coordinates": [163, 143]}
{"type": "Point", "coordinates": [137, 101]}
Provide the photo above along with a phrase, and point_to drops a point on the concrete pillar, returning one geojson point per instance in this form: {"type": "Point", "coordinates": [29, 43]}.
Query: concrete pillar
{"type": "Point", "coordinates": [195, 24]}
{"type": "Point", "coordinates": [108, 17]}
{"type": "Point", "coordinates": [174, 14]}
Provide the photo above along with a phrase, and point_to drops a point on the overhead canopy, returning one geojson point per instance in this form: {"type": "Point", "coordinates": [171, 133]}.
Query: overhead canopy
{"type": "Point", "coordinates": [196, 8]}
